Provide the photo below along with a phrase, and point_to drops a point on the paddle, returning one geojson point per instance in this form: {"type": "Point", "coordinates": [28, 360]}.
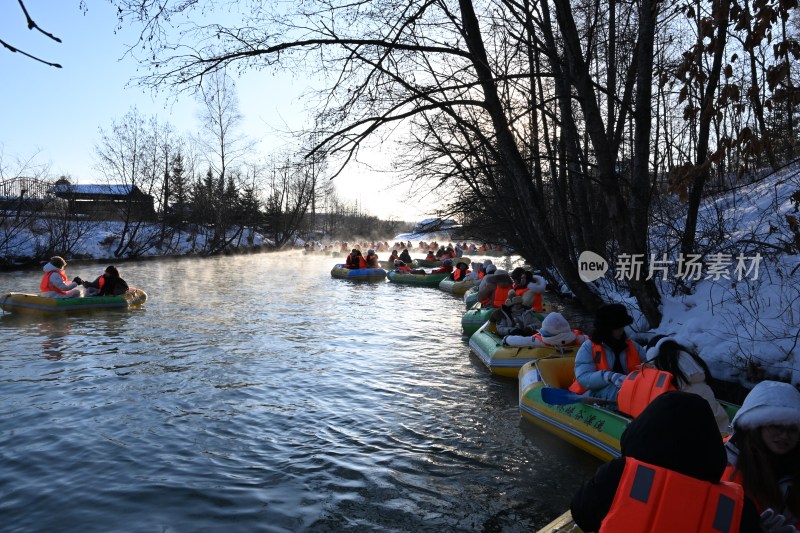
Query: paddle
{"type": "Point", "coordinates": [554, 396]}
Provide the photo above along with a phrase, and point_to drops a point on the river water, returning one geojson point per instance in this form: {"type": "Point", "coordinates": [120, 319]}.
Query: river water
{"type": "Point", "coordinates": [257, 393]}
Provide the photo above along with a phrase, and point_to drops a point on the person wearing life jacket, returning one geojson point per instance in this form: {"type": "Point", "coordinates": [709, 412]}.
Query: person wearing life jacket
{"type": "Point", "coordinates": [461, 271]}
{"type": "Point", "coordinates": [405, 257]}
{"type": "Point", "coordinates": [764, 450]}
{"type": "Point", "coordinates": [401, 266]}
{"type": "Point", "coordinates": [667, 478]}
{"type": "Point", "coordinates": [109, 283]}
{"type": "Point", "coordinates": [430, 256]}
{"type": "Point", "coordinates": [603, 361]}
{"type": "Point", "coordinates": [511, 318]}
{"type": "Point", "coordinates": [554, 332]}
{"type": "Point", "coordinates": [690, 373]}
{"type": "Point", "coordinates": [355, 260]}
{"type": "Point", "coordinates": [393, 256]}
{"type": "Point", "coordinates": [446, 268]}
{"type": "Point", "coordinates": [54, 282]}
{"type": "Point", "coordinates": [533, 290]}
{"type": "Point", "coordinates": [372, 259]}
{"type": "Point", "coordinates": [494, 288]}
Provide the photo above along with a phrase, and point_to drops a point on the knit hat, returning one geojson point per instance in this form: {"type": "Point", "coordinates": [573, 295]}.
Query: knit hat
{"type": "Point", "coordinates": [490, 269]}
{"type": "Point", "coordinates": [500, 271]}
{"type": "Point", "coordinates": [58, 262]}
{"type": "Point", "coordinates": [612, 316]}
{"type": "Point", "coordinates": [769, 402]}
{"type": "Point", "coordinates": [555, 330]}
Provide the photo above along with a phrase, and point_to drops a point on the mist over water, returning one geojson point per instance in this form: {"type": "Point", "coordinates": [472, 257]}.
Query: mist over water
{"type": "Point", "coordinates": [257, 393]}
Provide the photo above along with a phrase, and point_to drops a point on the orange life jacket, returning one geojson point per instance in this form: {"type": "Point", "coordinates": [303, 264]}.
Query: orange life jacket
{"type": "Point", "coordinates": [600, 359]}
{"type": "Point", "coordinates": [481, 274]}
{"type": "Point", "coordinates": [498, 298]}
{"type": "Point", "coordinates": [652, 499]}
{"type": "Point", "coordinates": [457, 274]}
{"type": "Point", "coordinates": [641, 387]}
{"type": "Point", "coordinates": [537, 303]}
{"type": "Point", "coordinates": [46, 286]}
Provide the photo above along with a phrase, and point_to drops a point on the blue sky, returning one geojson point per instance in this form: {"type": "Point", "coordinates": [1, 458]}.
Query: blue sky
{"type": "Point", "coordinates": [56, 113]}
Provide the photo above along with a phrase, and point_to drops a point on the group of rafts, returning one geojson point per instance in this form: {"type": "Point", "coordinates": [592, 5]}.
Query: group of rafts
{"type": "Point", "coordinates": [544, 375]}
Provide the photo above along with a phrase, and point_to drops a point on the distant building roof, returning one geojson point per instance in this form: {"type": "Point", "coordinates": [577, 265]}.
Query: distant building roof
{"type": "Point", "coordinates": [94, 190]}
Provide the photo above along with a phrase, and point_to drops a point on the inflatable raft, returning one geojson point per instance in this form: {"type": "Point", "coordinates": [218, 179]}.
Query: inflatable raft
{"type": "Point", "coordinates": [19, 302]}
{"type": "Point", "coordinates": [474, 318]}
{"type": "Point", "coordinates": [358, 274]}
{"type": "Point", "coordinates": [457, 287]}
{"type": "Point", "coordinates": [590, 427]}
{"type": "Point", "coordinates": [422, 280]}
{"type": "Point", "coordinates": [506, 361]}
{"type": "Point", "coordinates": [425, 263]}
{"type": "Point", "coordinates": [471, 296]}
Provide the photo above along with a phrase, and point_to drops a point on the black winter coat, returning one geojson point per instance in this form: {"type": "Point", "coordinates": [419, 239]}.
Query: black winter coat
{"type": "Point", "coordinates": [676, 431]}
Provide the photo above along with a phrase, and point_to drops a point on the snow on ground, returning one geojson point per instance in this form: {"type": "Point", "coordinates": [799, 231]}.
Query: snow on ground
{"type": "Point", "coordinates": [743, 323]}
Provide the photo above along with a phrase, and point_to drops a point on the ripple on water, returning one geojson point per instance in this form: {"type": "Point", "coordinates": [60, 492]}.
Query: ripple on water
{"type": "Point", "coordinates": [286, 401]}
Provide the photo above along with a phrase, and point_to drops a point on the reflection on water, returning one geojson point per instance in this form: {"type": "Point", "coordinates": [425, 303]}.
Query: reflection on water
{"type": "Point", "coordinates": [257, 393]}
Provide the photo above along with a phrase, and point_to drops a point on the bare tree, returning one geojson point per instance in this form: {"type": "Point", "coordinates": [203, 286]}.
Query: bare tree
{"type": "Point", "coordinates": [32, 25]}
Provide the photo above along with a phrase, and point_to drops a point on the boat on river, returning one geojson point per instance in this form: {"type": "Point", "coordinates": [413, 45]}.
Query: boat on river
{"type": "Point", "coordinates": [504, 360]}
{"type": "Point", "coordinates": [471, 296]}
{"type": "Point", "coordinates": [458, 287]}
{"type": "Point", "coordinates": [422, 280]}
{"type": "Point", "coordinates": [20, 302]}
{"type": "Point", "coordinates": [426, 263]}
{"type": "Point", "coordinates": [589, 426]}
{"type": "Point", "coordinates": [474, 318]}
{"type": "Point", "coordinates": [358, 274]}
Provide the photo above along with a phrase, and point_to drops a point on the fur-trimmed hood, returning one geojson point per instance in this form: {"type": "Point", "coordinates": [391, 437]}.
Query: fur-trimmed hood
{"type": "Point", "coordinates": [770, 402]}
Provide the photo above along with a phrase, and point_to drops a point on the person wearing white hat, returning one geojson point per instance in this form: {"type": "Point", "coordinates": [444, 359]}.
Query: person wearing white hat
{"type": "Point", "coordinates": [555, 332]}
{"type": "Point", "coordinates": [764, 451]}
{"type": "Point", "coordinates": [54, 281]}
{"type": "Point", "coordinates": [690, 372]}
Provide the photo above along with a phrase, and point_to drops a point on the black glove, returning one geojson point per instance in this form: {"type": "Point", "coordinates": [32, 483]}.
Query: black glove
{"type": "Point", "coordinates": [78, 280]}
{"type": "Point", "coordinates": [772, 522]}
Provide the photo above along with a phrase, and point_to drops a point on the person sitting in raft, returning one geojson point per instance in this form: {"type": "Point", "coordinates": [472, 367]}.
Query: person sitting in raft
{"type": "Point", "coordinates": [674, 448]}
{"type": "Point", "coordinates": [690, 373]}
{"type": "Point", "coordinates": [603, 361]}
{"type": "Point", "coordinates": [764, 451]}
{"type": "Point", "coordinates": [554, 332]}
{"type": "Point", "coordinates": [446, 268]}
{"type": "Point", "coordinates": [109, 283]}
{"type": "Point", "coordinates": [494, 289]}
{"type": "Point", "coordinates": [355, 260]}
{"type": "Point", "coordinates": [461, 272]}
{"type": "Point", "coordinates": [430, 256]}
{"type": "Point", "coordinates": [54, 281]}
{"type": "Point", "coordinates": [393, 256]}
{"type": "Point", "coordinates": [401, 266]}
{"type": "Point", "coordinates": [531, 287]}
{"type": "Point", "coordinates": [477, 274]}
{"type": "Point", "coordinates": [510, 319]}
{"type": "Point", "coordinates": [372, 259]}
{"type": "Point", "coordinates": [405, 257]}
